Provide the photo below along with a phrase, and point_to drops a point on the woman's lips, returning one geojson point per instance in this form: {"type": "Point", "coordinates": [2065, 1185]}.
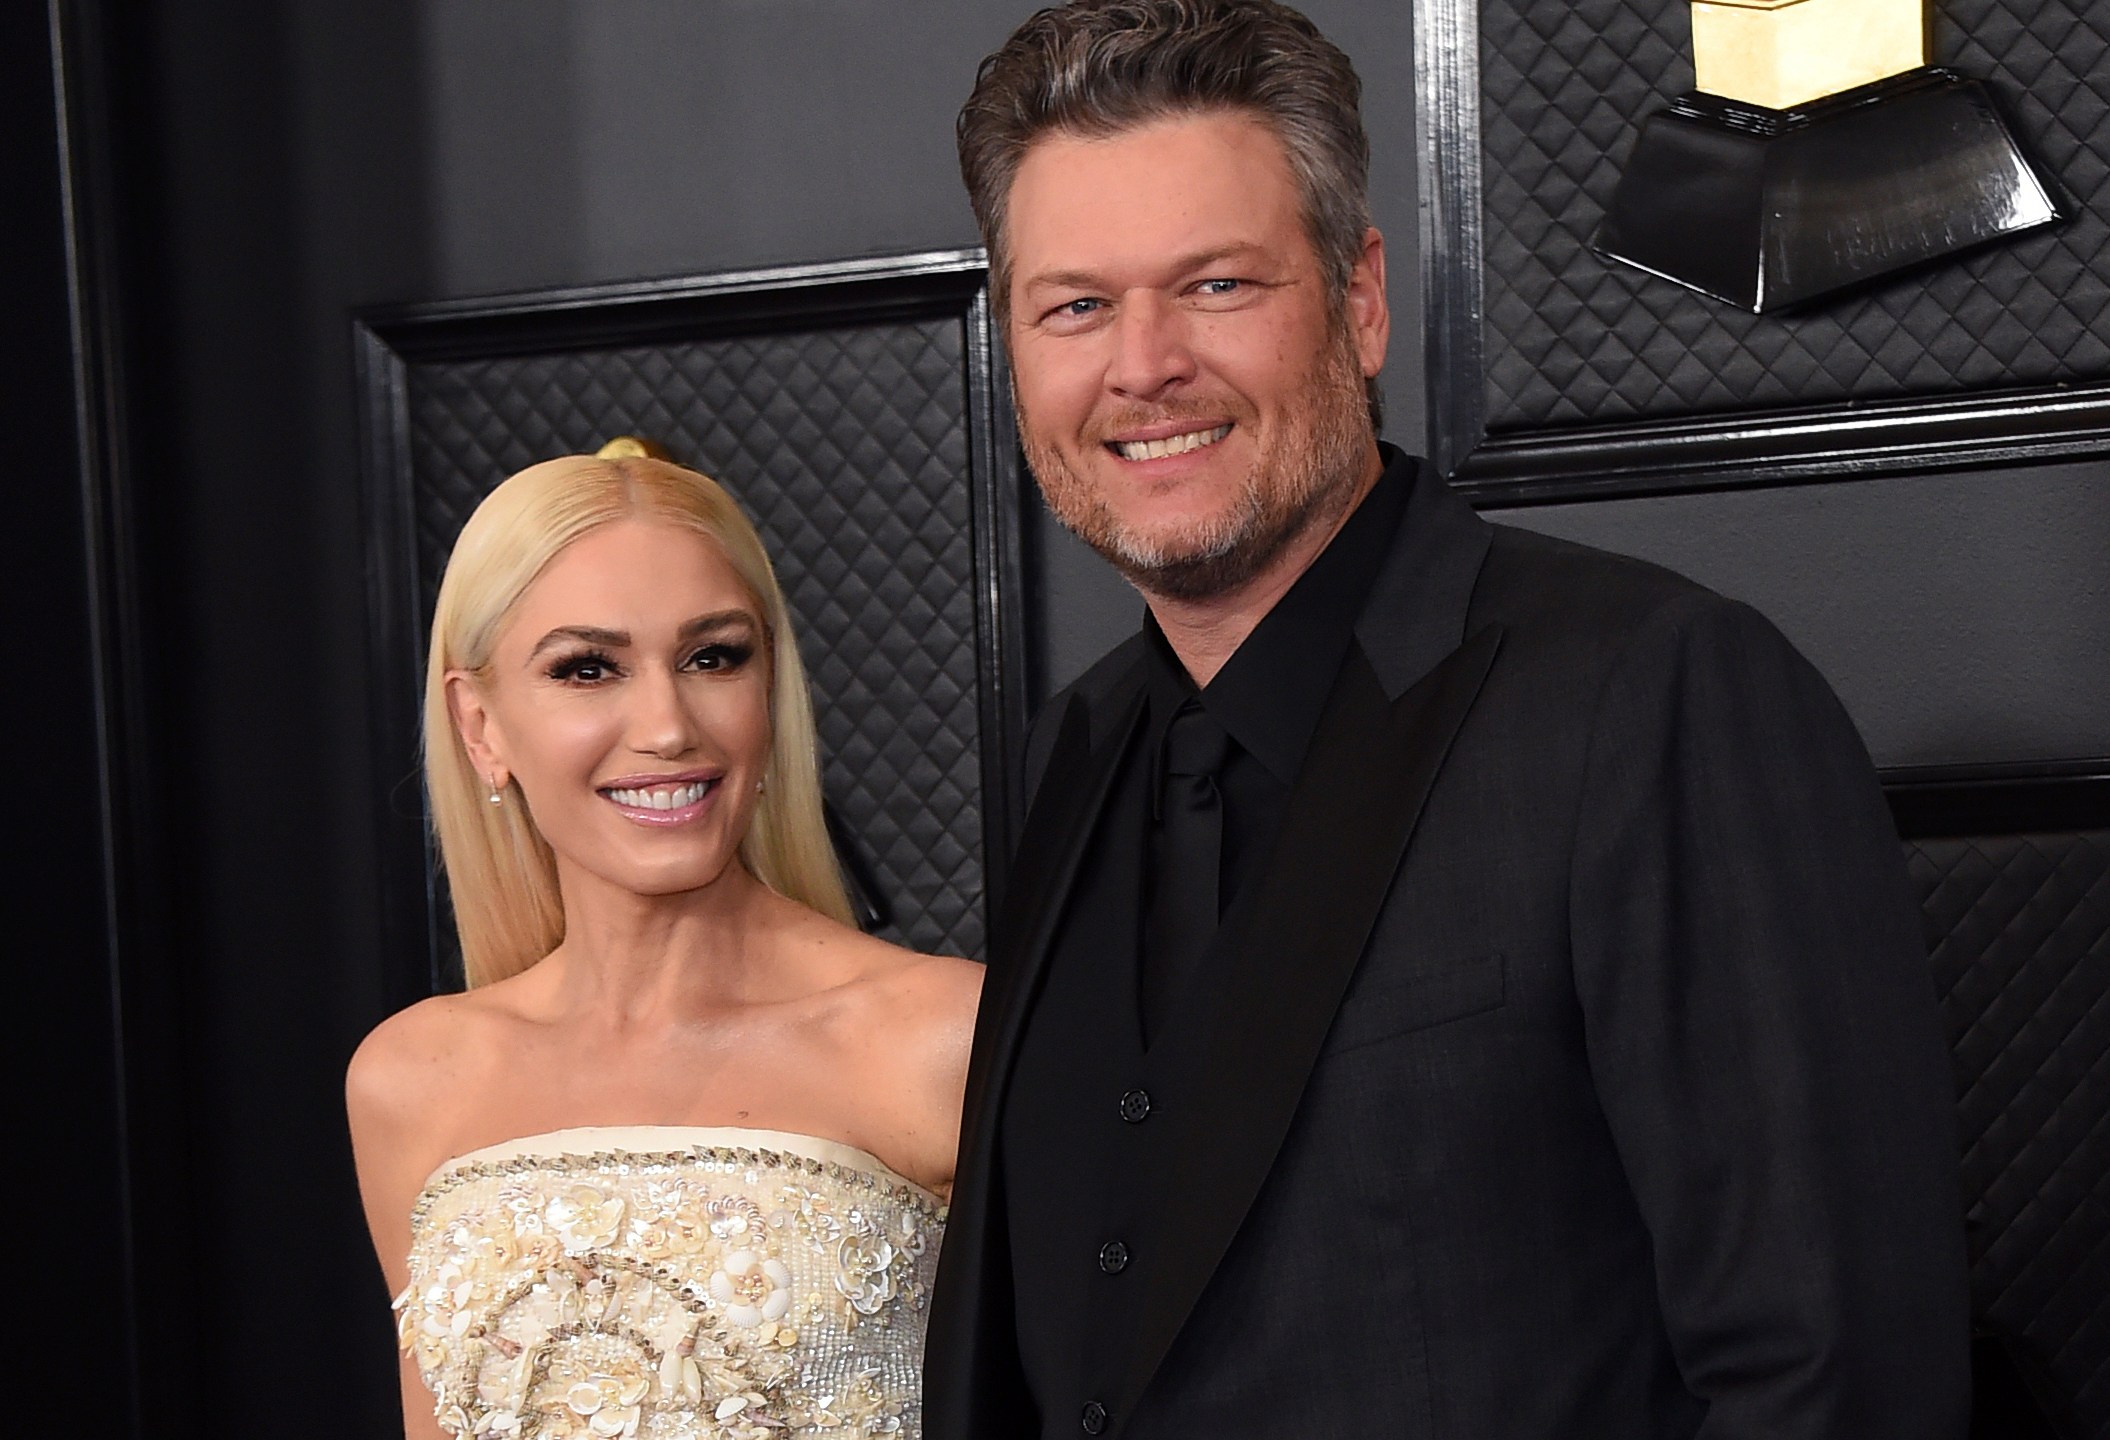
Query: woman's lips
{"type": "Point", "coordinates": [663, 803]}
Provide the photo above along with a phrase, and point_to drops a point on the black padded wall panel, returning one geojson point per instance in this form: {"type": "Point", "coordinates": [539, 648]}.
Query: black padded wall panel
{"type": "Point", "coordinates": [855, 427]}
{"type": "Point", "coordinates": [847, 446]}
{"type": "Point", "coordinates": [2018, 929]}
{"type": "Point", "coordinates": [1573, 337]}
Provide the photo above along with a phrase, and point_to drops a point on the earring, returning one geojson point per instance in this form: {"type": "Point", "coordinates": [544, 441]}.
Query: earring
{"type": "Point", "coordinates": [498, 794]}
{"type": "Point", "coordinates": [759, 780]}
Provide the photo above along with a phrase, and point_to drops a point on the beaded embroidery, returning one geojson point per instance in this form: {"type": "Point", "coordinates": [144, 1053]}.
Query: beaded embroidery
{"type": "Point", "coordinates": [734, 1292]}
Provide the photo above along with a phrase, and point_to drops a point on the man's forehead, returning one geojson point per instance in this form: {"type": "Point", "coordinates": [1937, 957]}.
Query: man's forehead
{"type": "Point", "coordinates": [1184, 190]}
{"type": "Point", "coordinates": [1062, 148]}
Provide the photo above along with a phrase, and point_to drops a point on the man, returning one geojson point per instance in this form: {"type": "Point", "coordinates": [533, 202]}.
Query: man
{"type": "Point", "coordinates": [1456, 983]}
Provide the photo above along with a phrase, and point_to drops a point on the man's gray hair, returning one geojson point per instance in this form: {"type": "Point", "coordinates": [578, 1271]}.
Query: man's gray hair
{"type": "Point", "coordinates": [1095, 68]}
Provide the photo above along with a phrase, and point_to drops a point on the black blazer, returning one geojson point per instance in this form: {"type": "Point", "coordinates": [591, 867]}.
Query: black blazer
{"type": "Point", "coordinates": [1576, 1075]}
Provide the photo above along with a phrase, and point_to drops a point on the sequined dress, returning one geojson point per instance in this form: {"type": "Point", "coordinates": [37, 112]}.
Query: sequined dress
{"type": "Point", "coordinates": [664, 1282]}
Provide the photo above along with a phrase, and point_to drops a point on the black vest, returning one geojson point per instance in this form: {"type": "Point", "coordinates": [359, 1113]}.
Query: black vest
{"type": "Point", "coordinates": [1076, 1144]}
{"type": "Point", "coordinates": [1083, 1176]}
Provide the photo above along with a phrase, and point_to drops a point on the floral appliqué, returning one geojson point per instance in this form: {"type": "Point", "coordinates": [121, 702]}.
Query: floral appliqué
{"type": "Point", "coordinates": [705, 1293]}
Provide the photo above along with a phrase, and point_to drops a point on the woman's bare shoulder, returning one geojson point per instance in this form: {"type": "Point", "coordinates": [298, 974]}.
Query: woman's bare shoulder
{"type": "Point", "coordinates": [944, 987]}
{"type": "Point", "coordinates": [422, 1059]}
{"type": "Point", "coordinates": [904, 982]}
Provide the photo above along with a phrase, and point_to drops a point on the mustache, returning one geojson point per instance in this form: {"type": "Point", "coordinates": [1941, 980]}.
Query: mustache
{"type": "Point", "coordinates": [1170, 412]}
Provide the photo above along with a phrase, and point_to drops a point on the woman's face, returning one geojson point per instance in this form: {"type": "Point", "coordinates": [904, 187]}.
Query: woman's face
{"type": "Point", "coordinates": [628, 695]}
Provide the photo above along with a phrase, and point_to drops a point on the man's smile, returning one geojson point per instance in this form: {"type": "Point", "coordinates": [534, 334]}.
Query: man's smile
{"type": "Point", "coordinates": [1163, 447]}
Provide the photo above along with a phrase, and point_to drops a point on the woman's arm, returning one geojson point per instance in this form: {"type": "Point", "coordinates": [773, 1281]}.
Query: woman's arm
{"type": "Point", "coordinates": [937, 1005]}
{"type": "Point", "coordinates": [390, 1090]}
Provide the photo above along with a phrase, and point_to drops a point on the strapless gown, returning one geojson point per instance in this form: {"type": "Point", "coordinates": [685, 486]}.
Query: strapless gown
{"type": "Point", "coordinates": [665, 1282]}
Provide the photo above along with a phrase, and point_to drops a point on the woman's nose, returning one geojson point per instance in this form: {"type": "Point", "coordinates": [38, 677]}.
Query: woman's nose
{"type": "Point", "coordinates": [660, 720]}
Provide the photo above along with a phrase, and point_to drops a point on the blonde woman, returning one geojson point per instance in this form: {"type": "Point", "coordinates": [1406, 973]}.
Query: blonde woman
{"type": "Point", "coordinates": [675, 1162]}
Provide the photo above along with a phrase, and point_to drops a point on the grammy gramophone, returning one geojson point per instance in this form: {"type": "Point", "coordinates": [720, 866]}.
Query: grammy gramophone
{"type": "Point", "coordinates": [1819, 150]}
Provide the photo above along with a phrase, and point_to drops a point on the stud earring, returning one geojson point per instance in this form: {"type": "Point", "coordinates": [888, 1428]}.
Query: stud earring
{"type": "Point", "coordinates": [759, 781]}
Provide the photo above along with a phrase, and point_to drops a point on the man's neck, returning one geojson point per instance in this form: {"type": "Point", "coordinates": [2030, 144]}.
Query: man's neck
{"type": "Point", "coordinates": [1206, 633]}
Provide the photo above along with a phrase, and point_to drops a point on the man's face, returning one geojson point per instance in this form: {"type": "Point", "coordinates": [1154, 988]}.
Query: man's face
{"type": "Point", "coordinates": [1189, 395]}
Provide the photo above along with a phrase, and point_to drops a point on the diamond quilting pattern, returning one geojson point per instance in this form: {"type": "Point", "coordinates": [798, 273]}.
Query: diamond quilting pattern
{"type": "Point", "coordinates": [2019, 930]}
{"type": "Point", "coordinates": [849, 449]}
{"type": "Point", "coordinates": [1569, 337]}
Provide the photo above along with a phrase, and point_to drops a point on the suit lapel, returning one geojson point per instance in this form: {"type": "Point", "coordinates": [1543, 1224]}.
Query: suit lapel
{"type": "Point", "coordinates": [1058, 829]}
{"type": "Point", "coordinates": [971, 1358]}
{"type": "Point", "coordinates": [1287, 960]}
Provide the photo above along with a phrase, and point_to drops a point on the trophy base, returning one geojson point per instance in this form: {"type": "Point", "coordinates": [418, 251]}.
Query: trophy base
{"type": "Point", "coordinates": [1771, 208]}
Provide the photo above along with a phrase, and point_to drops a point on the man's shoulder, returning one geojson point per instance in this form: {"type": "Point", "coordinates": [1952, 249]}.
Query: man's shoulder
{"type": "Point", "coordinates": [1574, 615]}
{"type": "Point", "coordinates": [1530, 578]}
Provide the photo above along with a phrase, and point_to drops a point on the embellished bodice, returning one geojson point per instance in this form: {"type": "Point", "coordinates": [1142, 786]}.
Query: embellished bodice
{"type": "Point", "coordinates": [671, 1284]}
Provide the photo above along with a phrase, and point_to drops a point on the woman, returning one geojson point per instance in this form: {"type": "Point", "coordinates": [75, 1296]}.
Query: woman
{"type": "Point", "coordinates": [674, 1164]}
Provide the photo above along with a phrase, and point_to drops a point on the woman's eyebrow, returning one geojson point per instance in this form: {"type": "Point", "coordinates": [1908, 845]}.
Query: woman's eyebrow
{"type": "Point", "coordinates": [591, 634]}
{"type": "Point", "coordinates": [718, 620]}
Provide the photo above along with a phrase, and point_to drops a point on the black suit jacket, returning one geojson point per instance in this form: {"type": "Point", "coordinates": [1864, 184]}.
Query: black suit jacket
{"type": "Point", "coordinates": [1575, 1075]}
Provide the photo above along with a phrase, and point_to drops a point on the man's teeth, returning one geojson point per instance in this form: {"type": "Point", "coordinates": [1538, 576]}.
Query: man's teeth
{"type": "Point", "coordinates": [661, 797]}
{"type": "Point", "coordinates": [1170, 445]}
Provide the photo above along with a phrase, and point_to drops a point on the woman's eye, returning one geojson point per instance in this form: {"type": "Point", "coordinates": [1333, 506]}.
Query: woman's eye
{"type": "Point", "coordinates": [721, 657]}
{"type": "Point", "coordinates": [582, 669]}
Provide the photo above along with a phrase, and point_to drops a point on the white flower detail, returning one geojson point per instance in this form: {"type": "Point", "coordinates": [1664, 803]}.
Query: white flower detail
{"type": "Point", "coordinates": [752, 1289]}
{"type": "Point", "coordinates": [585, 1218]}
{"type": "Point", "coordinates": [866, 1278]}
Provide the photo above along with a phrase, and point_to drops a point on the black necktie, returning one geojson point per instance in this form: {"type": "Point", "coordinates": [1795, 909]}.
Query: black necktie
{"type": "Point", "coordinates": [1186, 860]}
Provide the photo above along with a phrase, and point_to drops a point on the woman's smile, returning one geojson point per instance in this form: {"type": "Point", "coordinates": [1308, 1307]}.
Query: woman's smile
{"type": "Point", "coordinates": [663, 801]}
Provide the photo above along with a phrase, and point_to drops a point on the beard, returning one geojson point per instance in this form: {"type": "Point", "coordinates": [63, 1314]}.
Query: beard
{"type": "Point", "coordinates": [1304, 476]}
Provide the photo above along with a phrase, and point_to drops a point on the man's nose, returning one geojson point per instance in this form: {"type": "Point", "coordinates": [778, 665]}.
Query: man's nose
{"type": "Point", "coordinates": [660, 723]}
{"type": "Point", "coordinates": [1151, 349]}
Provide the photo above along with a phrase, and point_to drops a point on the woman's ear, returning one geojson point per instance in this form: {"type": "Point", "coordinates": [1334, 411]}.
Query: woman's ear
{"type": "Point", "coordinates": [478, 728]}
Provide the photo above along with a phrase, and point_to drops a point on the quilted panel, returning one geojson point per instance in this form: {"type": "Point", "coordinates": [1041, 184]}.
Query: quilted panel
{"type": "Point", "coordinates": [849, 449]}
{"type": "Point", "coordinates": [1570, 337]}
{"type": "Point", "coordinates": [2019, 931]}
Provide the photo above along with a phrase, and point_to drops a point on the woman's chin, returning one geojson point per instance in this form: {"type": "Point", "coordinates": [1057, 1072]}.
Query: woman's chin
{"type": "Point", "coordinates": [666, 876]}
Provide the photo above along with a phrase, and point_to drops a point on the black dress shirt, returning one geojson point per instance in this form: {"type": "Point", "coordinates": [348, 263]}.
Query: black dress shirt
{"type": "Point", "coordinates": [1268, 695]}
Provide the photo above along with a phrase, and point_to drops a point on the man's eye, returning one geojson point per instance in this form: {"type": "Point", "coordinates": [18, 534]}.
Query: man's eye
{"type": "Point", "coordinates": [1218, 287]}
{"type": "Point", "coordinates": [1076, 309]}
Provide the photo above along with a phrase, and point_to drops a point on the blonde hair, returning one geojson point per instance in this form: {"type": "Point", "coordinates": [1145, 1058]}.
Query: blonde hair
{"type": "Point", "coordinates": [503, 875]}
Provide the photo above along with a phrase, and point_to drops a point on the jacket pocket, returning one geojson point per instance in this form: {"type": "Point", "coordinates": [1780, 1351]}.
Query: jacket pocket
{"type": "Point", "coordinates": [1427, 995]}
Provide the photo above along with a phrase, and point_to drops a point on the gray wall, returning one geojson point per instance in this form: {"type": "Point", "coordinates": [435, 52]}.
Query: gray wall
{"type": "Point", "coordinates": [575, 140]}
{"type": "Point", "coordinates": [301, 158]}
{"type": "Point", "coordinates": [1962, 618]}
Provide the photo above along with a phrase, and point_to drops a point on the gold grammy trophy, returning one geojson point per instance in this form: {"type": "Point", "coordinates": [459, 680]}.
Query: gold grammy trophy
{"type": "Point", "coordinates": [1819, 150]}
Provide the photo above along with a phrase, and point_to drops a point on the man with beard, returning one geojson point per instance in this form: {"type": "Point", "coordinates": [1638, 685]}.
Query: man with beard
{"type": "Point", "coordinates": [1454, 982]}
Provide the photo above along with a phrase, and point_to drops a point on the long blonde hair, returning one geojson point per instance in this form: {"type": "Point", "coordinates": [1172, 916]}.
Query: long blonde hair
{"type": "Point", "coordinates": [503, 876]}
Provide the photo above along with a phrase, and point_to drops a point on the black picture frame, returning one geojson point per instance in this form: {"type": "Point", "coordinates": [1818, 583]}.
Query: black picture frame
{"type": "Point", "coordinates": [1701, 451]}
{"type": "Point", "coordinates": [1930, 802]}
{"type": "Point", "coordinates": [948, 286]}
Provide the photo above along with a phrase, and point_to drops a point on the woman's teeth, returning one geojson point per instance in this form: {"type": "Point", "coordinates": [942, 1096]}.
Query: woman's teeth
{"type": "Point", "coordinates": [661, 797]}
{"type": "Point", "coordinates": [1170, 445]}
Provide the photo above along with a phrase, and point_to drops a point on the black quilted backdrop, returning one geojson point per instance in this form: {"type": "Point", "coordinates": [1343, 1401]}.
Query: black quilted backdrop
{"type": "Point", "coordinates": [2019, 928]}
{"type": "Point", "coordinates": [848, 446]}
{"type": "Point", "coordinates": [1571, 337]}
